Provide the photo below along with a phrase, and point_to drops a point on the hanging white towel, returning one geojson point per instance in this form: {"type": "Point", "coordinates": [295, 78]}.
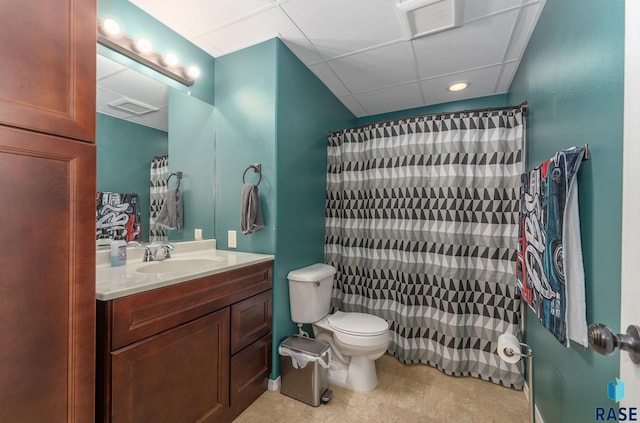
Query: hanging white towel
{"type": "Point", "coordinates": [250, 212]}
{"type": "Point", "coordinates": [574, 269]}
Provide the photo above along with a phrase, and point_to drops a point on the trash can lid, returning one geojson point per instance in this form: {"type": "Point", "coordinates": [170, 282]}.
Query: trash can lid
{"type": "Point", "coordinates": [305, 345]}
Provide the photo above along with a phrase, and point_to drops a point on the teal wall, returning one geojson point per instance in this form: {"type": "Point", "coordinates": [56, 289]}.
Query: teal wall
{"type": "Point", "coordinates": [271, 109]}
{"type": "Point", "coordinates": [306, 111]}
{"type": "Point", "coordinates": [246, 134]}
{"type": "Point", "coordinates": [138, 24]}
{"type": "Point", "coordinates": [453, 106]}
{"type": "Point", "coordinates": [125, 151]}
{"type": "Point", "coordinates": [572, 77]}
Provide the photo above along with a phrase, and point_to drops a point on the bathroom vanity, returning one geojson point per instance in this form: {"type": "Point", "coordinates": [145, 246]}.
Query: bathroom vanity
{"type": "Point", "coordinates": [185, 339]}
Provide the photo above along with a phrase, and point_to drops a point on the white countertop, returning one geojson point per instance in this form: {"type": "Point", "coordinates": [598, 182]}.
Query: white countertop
{"type": "Point", "coordinates": [120, 281]}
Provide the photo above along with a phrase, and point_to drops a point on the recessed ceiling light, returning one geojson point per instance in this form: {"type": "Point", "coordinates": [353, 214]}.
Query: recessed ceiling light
{"type": "Point", "coordinates": [458, 86]}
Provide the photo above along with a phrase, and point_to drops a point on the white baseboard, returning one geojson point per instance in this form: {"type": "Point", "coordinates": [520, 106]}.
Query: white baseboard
{"type": "Point", "coordinates": [274, 385]}
{"type": "Point", "coordinates": [525, 389]}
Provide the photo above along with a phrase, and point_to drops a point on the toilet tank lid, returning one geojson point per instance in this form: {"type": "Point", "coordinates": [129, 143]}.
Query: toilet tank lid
{"type": "Point", "coordinates": [314, 273]}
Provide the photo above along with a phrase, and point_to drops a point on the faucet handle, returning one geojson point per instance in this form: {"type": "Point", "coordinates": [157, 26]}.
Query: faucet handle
{"type": "Point", "coordinates": [148, 255]}
{"type": "Point", "coordinates": [167, 248]}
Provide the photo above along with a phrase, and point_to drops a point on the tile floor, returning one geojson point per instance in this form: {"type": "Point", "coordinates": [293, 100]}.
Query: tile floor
{"type": "Point", "coordinates": [405, 394]}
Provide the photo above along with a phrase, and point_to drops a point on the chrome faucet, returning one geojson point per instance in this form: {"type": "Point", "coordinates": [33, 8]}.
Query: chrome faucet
{"type": "Point", "coordinates": [151, 252]}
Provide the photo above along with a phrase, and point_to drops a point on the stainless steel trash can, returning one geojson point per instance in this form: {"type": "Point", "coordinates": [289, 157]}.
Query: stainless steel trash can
{"type": "Point", "coordinates": [304, 364]}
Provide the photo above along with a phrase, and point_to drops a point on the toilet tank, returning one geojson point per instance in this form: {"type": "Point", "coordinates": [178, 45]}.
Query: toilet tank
{"type": "Point", "coordinates": [310, 292]}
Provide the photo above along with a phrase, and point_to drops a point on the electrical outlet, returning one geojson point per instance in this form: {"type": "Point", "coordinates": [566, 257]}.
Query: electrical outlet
{"type": "Point", "coordinates": [231, 239]}
{"type": "Point", "coordinates": [197, 234]}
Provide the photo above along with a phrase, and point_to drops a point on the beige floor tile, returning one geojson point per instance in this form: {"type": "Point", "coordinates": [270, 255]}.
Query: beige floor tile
{"type": "Point", "coordinates": [405, 394]}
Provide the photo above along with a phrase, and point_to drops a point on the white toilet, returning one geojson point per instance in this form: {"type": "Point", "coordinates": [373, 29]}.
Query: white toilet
{"type": "Point", "coordinates": [356, 339]}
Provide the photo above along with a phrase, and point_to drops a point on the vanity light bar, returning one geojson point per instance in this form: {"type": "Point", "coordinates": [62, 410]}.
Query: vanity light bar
{"type": "Point", "coordinates": [127, 46]}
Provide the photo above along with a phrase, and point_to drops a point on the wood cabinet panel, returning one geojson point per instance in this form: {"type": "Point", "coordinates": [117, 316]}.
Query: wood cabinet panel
{"type": "Point", "coordinates": [165, 355]}
{"type": "Point", "coordinates": [250, 320]}
{"type": "Point", "coordinates": [47, 185]}
{"type": "Point", "coordinates": [141, 315]}
{"type": "Point", "coordinates": [181, 375]}
{"type": "Point", "coordinates": [249, 373]}
{"type": "Point", "coordinates": [47, 67]}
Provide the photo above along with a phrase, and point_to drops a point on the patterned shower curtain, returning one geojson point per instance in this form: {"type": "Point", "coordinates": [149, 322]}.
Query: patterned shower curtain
{"type": "Point", "coordinates": [158, 191]}
{"type": "Point", "coordinates": [422, 224]}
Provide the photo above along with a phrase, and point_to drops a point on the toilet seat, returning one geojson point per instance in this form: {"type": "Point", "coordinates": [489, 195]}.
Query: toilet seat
{"type": "Point", "coordinates": [357, 324]}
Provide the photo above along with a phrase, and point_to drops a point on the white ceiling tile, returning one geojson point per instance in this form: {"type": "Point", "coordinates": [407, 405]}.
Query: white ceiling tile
{"type": "Point", "coordinates": [506, 77]}
{"type": "Point", "coordinates": [204, 15]}
{"type": "Point", "coordinates": [140, 87]}
{"type": "Point", "coordinates": [479, 43]}
{"type": "Point", "coordinates": [353, 105]}
{"type": "Point", "coordinates": [474, 9]}
{"type": "Point", "coordinates": [379, 67]}
{"type": "Point", "coordinates": [253, 30]}
{"type": "Point", "coordinates": [390, 99]}
{"type": "Point", "coordinates": [522, 32]}
{"type": "Point", "coordinates": [106, 67]}
{"type": "Point", "coordinates": [481, 83]}
{"type": "Point", "coordinates": [329, 78]}
{"type": "Point", "coordinates": [303, 49]}
{"type": "Point", "coordinates": [337, 27]}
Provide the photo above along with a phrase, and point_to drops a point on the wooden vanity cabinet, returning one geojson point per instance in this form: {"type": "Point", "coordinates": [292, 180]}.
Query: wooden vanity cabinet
{"type": "Point", "coordinates": [197, 351]}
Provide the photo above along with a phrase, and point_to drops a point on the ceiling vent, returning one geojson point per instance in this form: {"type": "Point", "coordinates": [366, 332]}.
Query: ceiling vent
{"type": "Point", "coordinates": [426, 17]}
{"type": "Point", "coordinates": [132, 106]}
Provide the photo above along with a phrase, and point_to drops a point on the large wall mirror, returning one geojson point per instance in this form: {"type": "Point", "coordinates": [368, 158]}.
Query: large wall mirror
{"type": "Point", "coordinates": [138, 120]}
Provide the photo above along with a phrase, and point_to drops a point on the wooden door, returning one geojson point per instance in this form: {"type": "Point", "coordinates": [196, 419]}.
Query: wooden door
{"type": "Point", "coordinates": [180, 375]}
{"type": "Point", "coordinates": [47, 278]}
{"type": "Point", "coordinates": [47, 66]}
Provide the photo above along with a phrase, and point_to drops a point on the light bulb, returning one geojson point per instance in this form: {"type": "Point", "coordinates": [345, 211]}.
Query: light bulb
{"type": "Point", "coordinates": [170, 59]}
{"type": "Point", "coordinates": [143, 45]}
{"type": "Point", "coordinates": [193, 72]}
{"type": "Point", "coordinates": [111, 27]}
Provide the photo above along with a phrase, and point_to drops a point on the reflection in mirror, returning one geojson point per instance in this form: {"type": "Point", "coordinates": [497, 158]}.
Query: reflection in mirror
{"type": "Point", "coordinates": [132, 125]}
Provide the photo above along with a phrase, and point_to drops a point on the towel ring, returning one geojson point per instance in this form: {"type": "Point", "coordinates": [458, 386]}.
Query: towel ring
{"type": "Point", "coordinates": [257, 168]}
{"type": "Point", "coordinates": [177, 175]}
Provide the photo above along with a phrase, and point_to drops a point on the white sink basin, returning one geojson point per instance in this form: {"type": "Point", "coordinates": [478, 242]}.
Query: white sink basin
{"type": "Point", "coordinates": [176, 266]}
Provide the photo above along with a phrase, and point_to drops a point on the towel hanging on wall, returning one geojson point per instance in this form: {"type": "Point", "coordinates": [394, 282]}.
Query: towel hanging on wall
{"type": "Point", "coordinates": [550, 271]}
{"type": "Point", "coordinates": [171, 213]}
{"type": "Point", "coordinates": [250, 211]}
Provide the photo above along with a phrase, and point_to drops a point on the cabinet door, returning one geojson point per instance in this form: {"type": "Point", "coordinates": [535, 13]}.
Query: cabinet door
{"type": "Point", "coordinates": [47, 278]}
{"type": "Point", "coordinates": [47, 66]}
{"type": "Point", "coordinates": [250, 320]}
{"type": "Point", "coordinates": [181, 375]}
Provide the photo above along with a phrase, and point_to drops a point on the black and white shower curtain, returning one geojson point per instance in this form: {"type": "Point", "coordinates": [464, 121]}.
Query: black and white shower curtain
{"type": "Point", "coordinates": [422, 224]}
{"type": "Point", "coordinates": [158, 190]}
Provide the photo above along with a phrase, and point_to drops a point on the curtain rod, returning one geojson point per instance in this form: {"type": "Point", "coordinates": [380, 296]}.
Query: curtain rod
{"type": "Point", "coordinates": [523, 106]}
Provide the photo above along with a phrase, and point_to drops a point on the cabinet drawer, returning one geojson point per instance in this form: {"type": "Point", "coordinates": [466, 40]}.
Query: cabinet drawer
{"type": "Point", "coordinates": [141, 315]}
{"type": "Point", "coordinates": [250, 320]}
{"type": "Point", "coordinates": [249, 372]}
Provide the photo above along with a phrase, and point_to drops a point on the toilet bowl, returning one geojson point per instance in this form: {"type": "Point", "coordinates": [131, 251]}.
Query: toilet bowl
{"type": "Point", "coordinates": [356, 339]}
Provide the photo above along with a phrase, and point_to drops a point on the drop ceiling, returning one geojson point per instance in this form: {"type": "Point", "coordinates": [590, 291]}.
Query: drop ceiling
{"type": "Point", "coordinates": [124, 93]}
{"type": "Point", "coordinates": [361, 49]}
